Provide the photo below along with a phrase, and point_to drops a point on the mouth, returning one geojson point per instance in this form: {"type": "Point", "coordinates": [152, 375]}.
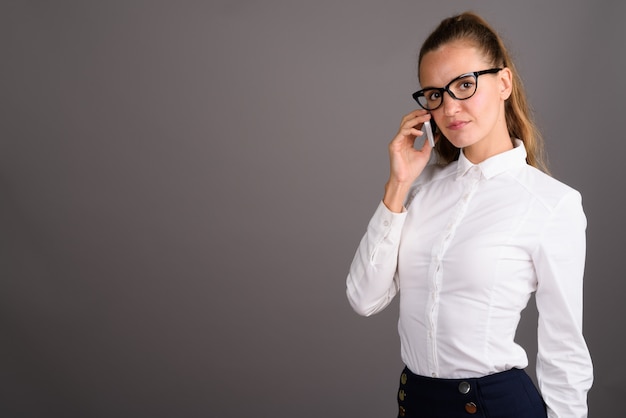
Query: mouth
{"type": "Point", "coordinates": [456, 125]}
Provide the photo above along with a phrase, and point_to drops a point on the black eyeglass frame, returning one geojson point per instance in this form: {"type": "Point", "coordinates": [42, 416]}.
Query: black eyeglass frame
{"type": "Point", "coordinates": [441, 90]}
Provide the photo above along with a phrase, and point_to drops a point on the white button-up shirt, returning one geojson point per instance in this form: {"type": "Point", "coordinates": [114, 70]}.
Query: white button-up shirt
{"type": "Point", "coordinates": [473, 244]}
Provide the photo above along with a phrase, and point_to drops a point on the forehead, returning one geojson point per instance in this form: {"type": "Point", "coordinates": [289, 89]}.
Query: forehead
{"type": "Point", "coordinates": [440, 66]}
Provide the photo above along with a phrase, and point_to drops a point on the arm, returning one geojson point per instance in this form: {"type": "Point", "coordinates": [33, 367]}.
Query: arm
{"type": "Point", "coordinates": [372, 281]}
{"type": "Point", "coordinates": [564, 369]}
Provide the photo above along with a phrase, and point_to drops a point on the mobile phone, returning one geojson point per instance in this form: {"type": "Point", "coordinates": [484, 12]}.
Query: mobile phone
{"type": "Point", "coordinates": [429, 133]}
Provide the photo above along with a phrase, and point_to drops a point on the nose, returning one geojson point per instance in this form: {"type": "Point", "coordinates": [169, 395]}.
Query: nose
{"type": "Point", "coordinates": [450, 105]}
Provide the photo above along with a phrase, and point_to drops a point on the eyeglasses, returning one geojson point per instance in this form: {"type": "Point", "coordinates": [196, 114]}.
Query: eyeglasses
{"type": "Point", "coordinates": [461, 88]}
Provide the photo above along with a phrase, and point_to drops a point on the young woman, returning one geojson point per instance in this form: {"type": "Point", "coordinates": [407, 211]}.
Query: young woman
{"type": "Point", "coordinates": [467, 238]}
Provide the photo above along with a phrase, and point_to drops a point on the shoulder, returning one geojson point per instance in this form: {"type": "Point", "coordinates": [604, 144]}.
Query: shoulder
{"type": "Point", "coordinates": [432, 174]}
{"type": "Point", "coordinates": [547, 190]}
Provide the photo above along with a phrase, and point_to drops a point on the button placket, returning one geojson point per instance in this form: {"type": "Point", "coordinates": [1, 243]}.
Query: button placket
{"type": "Point", "coordinates": [471, 182]}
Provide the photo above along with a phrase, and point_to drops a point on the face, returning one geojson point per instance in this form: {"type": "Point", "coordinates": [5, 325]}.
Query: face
{"type": "Point", "coordinates": [476, 124]}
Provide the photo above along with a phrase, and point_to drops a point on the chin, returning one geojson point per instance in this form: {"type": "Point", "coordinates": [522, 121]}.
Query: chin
{"type": "Point", "coordinates": [461, 141]}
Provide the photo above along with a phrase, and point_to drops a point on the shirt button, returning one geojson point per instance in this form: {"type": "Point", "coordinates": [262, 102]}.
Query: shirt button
{"type": "Point", "coordinates": [386, 223]}
{"type": "Point", "coordinates": [434, 375]}
{"type": "Point", "coordinates": [464, 388]}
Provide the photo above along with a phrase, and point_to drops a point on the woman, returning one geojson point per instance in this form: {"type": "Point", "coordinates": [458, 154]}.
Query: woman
{"type": "Point", "coordinates": [467, 238]}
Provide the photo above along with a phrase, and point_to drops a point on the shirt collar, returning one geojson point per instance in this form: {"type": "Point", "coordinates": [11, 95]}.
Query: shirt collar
{"type": "Point", "coordinates": [497, 164]}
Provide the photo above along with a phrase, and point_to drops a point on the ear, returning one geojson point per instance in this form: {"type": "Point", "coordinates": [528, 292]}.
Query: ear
{"type": "Point", "coordinates": [506, 83]}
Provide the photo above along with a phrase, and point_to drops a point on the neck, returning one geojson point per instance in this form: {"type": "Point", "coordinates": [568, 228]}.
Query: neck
{"type": "Point", "coordinates": [497, 142]}
{"type": "Point", "coordinates": [478, 153]}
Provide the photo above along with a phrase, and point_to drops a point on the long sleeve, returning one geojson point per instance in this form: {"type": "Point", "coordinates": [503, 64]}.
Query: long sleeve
{"type": "Point", "coordinates": [372, 281]}
{"type": "Point", "coordinates": [564, 368]}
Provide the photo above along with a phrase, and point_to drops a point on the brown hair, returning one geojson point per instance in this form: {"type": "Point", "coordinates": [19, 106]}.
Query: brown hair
{"type": "Point", "coordinates": [470, 27]}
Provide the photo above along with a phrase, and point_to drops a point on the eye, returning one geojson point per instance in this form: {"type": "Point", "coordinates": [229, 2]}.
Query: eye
{"type": "Point", "coordinates": [464, 84]}
{"type": "Point", "coordinates": [433, 95]}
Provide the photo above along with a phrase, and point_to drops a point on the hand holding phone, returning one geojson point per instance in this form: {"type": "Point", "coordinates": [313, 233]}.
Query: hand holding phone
{"type": "Point", "coordinates": [429, 133]}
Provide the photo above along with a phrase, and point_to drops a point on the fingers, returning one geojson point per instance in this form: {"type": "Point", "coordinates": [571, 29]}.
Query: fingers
{"type": "Point", "coordinates": [415, 114]}
{"type": "Point", "coordinates": [411, 123]}
{"type": "Point", "coordinates": [414, 120]}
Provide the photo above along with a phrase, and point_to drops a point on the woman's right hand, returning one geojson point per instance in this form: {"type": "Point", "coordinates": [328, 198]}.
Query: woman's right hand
{"type": "Point", "coordinates": [406, 163]}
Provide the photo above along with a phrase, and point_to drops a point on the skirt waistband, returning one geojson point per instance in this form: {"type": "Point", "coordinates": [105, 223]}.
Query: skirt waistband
{"type": "Point", "coordinates": [441, 383]}
{"type": "Point", "coordinates": [510, 392]}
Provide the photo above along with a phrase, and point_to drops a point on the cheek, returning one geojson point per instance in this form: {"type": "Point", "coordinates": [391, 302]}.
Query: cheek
{"type": "Point", "coordinates": [484, 108]}
{"type": "Point", "coordinates": [478, 104]}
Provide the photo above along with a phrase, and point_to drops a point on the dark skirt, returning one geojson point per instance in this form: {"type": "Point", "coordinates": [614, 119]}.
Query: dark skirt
{"type": "Point", "coordinates": [509, 394]}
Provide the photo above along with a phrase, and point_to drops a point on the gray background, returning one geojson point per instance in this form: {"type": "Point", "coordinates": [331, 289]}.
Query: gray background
{"type": "Point", "coordinates": [183, 186]}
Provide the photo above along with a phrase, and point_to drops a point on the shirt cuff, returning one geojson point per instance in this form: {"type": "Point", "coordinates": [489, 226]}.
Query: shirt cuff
{"type": "Point", "coordinates": [386, 223]}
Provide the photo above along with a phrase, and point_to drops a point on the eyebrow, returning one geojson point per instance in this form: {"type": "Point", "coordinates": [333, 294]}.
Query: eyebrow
{"type": "Point", "coordinates": [458, 76]}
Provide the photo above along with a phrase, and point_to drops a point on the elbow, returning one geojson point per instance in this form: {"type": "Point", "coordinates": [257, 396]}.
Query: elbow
{"type": "Point", "coordinates": [363, 307]}
{"type": "Point", "coordinates": [369, 293]}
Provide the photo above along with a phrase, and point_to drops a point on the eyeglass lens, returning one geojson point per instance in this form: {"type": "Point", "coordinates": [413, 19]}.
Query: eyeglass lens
{"type": "Point", "coordinates": [461, 88]}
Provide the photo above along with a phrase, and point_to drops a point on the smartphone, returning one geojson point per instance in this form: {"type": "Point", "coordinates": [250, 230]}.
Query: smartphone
{"type": "Point", "coordinates": [427, 129]}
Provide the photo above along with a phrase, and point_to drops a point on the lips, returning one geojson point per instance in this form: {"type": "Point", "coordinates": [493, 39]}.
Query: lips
{"type": "Point", "coordinates": [456, 125]}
